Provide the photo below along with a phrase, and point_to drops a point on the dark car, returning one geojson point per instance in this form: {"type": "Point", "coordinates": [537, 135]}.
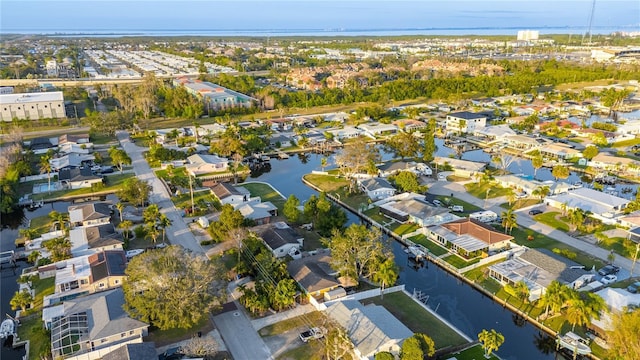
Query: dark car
{"type": "Point", "coordinates": [171, 354]}
{"type": "Point", "coordinates": [634, 288]}
{"type": "Point", "coordinates": [608, 270]}
{"type": "Point", "coordinates": [535, 212]}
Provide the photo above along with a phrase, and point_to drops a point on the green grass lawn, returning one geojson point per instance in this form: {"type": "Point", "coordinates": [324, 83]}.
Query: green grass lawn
{"type": "Point", "coordinates": [459, 262]}
{"type": "Point", "coordinates": [551, 219]}
{"type": "Point", "coordinates": [101, 139]}
{"type": "Point", "coordinates": [200, 199]}
{"type": "Point", "coordinates": [312, 240]}
{"type": "Point", "coordinates": [170, 336]}
{"type": "Point", "coordinates": [327, 183]}
{"type": "Point", "coordinates": [32, 329]}
{"type": "Point", "coordinates": [434, 248]}
{"type": "Point", "coordinates": [42, 287]}
{"type": "Point", "coordinates": [520, 203]}
{"type": "Point", "coordinates": [626, 143]}
{"type": "Point", "coordinates": [405, 228]}
{"type": "Point", "coordinates": [313, 350]}
{"type": "Point", "coordinates": [620, 245]}
{"type": "Point", "coordinates": [266, 193]}
{"type": "Point", "coordinates": [290, 324]}
{"type": "Point", "coordinates": [417, 319]}
{"type": "Point", "coordinates": [479, 190]}
{"type": "Point", "coordinates": [472, 353]}
{"type": "Point", "coordinates": [448, 200]}
{"type": "Point", "coordinates": [112, 184]}
{"type": "Point", "coordinates": [41, 224]}
{"type": "Point", "coordinates": [374, 213]}
{"type": "Point", "coordinates": [164, 173]}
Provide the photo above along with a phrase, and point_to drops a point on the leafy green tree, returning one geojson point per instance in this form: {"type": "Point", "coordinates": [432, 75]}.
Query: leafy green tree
{"type": "Point", "coordinates": [590, 152]}
{"type": "Point", "coordinates": [33, 257]}
{"type": "Point", "coordinates": [283, 296]}
{"type": "Point", "coordinates": [172, 288]}
{"type": "Point", "coordinates": [537, 161]}
{"type": "Point", "coordinates": [509, 220]}
{"type": "Point", "coordinates": [386, 274]}
{"type": "Point", "coordinates": [623, 338]}
{"type": "Point", "coordinates": [355, 158]}
{"type": "Point", "coordinates": [358, 252]}
{"type": "Point", "coordinates": [429, 143]}
{"type": "Point", "coordinates": [406, 181]}
{"type": "Point", "coordinates": [427, 344]}
{"type": "Point", "coordinates": [134, 191]}
{"type": "Point", "coordinates": [404, 144]}
{"type": "Point", "coordinates": [520, 290]}
{"type": "Point", "coordinates": [164, 222]}
{"type": "Point", "coordinates": [119, 157]}
{"type": "Point", "coordinates": [59, 248]}
{"type": "Point", "coordinates": [290, 210]}
{"type": "Point", "coordinates": [560, 172]}
{"type": "Point", "coordinates": [323, 163]}
{"type": "Point", "coordinates": [490, 340]}
{"type": "Point", "coordinates": [554, 297]}
{"type": "Point", "coordinates": [151, 214]}
{"type": "Point", "coordinates": [21, 299]}
{"type": "Point", "coordinates": [384, 355]}
{"type": "Point", "coordinates": [229, 219]}
{"type": "Point", "coordinates": [412, 349]}
{"type": "Point", "coordinates": [325, 216]}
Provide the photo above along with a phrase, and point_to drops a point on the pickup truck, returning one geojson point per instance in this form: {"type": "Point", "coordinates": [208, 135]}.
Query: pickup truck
{"type": "Point", "coordinates": [312, 334]}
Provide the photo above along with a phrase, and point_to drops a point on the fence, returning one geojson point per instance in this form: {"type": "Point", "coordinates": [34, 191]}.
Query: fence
{"type": "Point", "coordinates": [321, 306]}
{"type": "Point", "coordinates": [38, 177]}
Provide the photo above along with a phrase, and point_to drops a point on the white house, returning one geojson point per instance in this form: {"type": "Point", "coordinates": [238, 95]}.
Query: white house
{"type": "Point", "coordinates": [377, 188]}
{"type": "Point", "coordinates": [229, 194]}
{"type": "Point", "coordinates": [603, 206]}
{"type": "Point", "coordinates": [465, 122]}
{"type": "Point", "coordinates": [92, 214]}
{"type": "Point", "coordinates": [205, 164]}
{"type": "Point", "coordinates": [348, 132]}
{"type": "Point", "coordinates": [373, 130]}
{"type": "Point", "coordinates": [77, 178]}
{"type": "Point", "coordinates": [281, 239]}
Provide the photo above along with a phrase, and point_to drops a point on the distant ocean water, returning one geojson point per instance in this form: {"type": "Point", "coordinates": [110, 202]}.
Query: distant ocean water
{"type": "Point", "coordinates": [313, 32]}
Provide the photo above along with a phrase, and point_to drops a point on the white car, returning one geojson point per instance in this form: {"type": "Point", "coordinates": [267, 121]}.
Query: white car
{"type": "Point", "coordinates": [131, 253]}
{"type": "Point", "coordinates": [609, 279]}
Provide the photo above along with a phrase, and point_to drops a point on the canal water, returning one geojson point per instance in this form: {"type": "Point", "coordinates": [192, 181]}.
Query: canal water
{"type": "Point", "coordinates": [456, 301]}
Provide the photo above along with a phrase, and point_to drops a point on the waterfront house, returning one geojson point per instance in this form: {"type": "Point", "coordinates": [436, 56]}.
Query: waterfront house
{"type": "Point", "coordinates": [602, 206]}
{"type": "Point", "coordinates": [393, 167]}
{"type": "Point", "coordinates": [608, 162]}
{"type": "Point", "coordinates": [617, 300]}
{"type": "Point", "coordinates": [371, 328]}
{"type": "Point", "coordinates": [206, 164]}
{"type": "Point", "coordinates": [522, 184]}
{"type": "Point", "coordinates": [559, 151]}
{"type": "Point", "coordinates": [538, 268]}
{"type": "Point", "coordinates": [71, 160]}
{"type": "Point", "coordinates": [469, 237]}
{"type": "Point", "coordinates": [348, 132]}
{"type": "Point", "coordinates": [409, 125]}
{"type": "Point", "coordinates": [415, 209]}
{"type": "Point", "coordinates": [377, 188]}
{"type": "Point", "coordinates": [465, 122]}
{"type": "Point", "coordinates": [259, 212]}
{"type": "Point", "coordinates": [93, 239]}
{"type": "Point", "coordinates": [137, 351]}
{"type": "Point", "coordinates": [91, 214]}
{"type": "Point", "coordinates": [92, 326]}
{"type": "Point", "coordinates": [494, 133]}
{"type": "Point", "coordinates": [229, 194]}
{"type": "Point", "coordinates": [281, 239]}
{"type": "Point", "coordinates": [523, 142]}
{"type": "Point", "coordinates": [373, 130]}
{"type": "Point", "coordinates": [77, 178]}
{"type": "Point", "coordinates": [84, 275]}
{"type": "Point", "coordinates": [314, 274]}
{"type": "Point", "coordinates": [463, 168]}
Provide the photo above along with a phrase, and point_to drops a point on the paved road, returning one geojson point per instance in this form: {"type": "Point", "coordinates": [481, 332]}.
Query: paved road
{"type": "Point", "coordinates": [524, 220]}
{"type": "Point", "coordinates": [240, 337]}
{"type": "Point", "coordinates": [178, 233]}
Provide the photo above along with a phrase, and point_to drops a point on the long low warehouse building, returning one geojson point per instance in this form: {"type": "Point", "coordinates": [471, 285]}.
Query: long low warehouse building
{"type": "Point", "coordinates": [32, 106]}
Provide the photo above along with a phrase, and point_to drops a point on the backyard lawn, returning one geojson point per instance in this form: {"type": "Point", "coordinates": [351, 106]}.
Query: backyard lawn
{"type": "Point", "coordinates": [290, 324]}
{"type": "Point", "coordinates": [448, 200]}
{"type": "Point", "coordinates": [434, 248]}
{"type": "Point", "coordinates": [520, 203]}
{"type": "Point", "coordinates": [374, 213]}
{"type": "Point", "coordinates": [112, 184]}
{"type": "Point", "coordinates": [170, 336]}
{"type": "Point", "coordinates": [417, 319]}
{"type": "Point", "coordinates": [473, 353]}
{"type": "Point", "coordinates": [620, 245]}
{"type": "Point", "coordinates": [327, 183]}
{"type": "Point", "coordinates": [480, 190]}
{"type": "Point", "coordinates": [32, 329]}
{"type": "Point", "coordinates": [405, 228]}
{"type": "Point", "coordinates": [266, 193]}
{"type": "Point", "coordinates": [459, 262]}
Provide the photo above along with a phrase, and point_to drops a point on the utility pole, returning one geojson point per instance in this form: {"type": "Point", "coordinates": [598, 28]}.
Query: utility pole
{"type": "Point", "coordinates": [193, 208]}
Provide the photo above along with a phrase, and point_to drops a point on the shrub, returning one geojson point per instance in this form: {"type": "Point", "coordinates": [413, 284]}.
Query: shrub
{"type": "Point", "coordinates": [566, 253]}
{"type": "Point", "coordinates": [140, 232]}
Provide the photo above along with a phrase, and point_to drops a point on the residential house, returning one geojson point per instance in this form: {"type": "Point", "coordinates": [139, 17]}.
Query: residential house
{"type": "Point", "coordinates": [93, 239]}
{"type": "Point", "coordinates": [602, 206]}
{"type": "Point", "coordinates": [211, 129]}
{"type": "Point", "coordinates": [610, 162]}
{"type": "Point", "coordinates": [465, 122]}
{"type": "Point", "coordinates": [86, 274]}
{"type": "Point", "coordinates": [409, 125]}
{"type": "Point", "coordinates": [260, 212]}
{"type": "Point", "coordinates": [206, 164]}
{"type": "Point", "coordinates": [77, 139]}
{"type": "Point", "coordinates": [377, 188]}
{"type": "Point", "coordinates": [348, 132]}
{"type": "Point", "coordinates": [495, 132]}
{"type": "Point", "coordinates": [393, 167]}
{"type": "Point", "coordinates": [559, 151]}
{"type": "Point", "coordinates": [71, 148]}
{"type": "Point", "coordinates": [373, 130]}
{"type": "Point", "coordinates": [40, 145]}
{"type": "Point", "coordinates": [469, 237]}
{"type": "Point", "coordinates": [523, 142]}
{"type": "Point", "coordinates": [411, 207]}
{"type": "Point", "coordinates": [617, 300]}
{"type": "Point", "coordinates": [91, 214]}
{"type": "Point", "coordinates": [463, 168]}
{"type": "Point", "coordinates": [314, 274]}
{"type": "Point", "coordinates": [631, 220]}
{"type": "Point", "coordinates": [91, 327]}
{"type": "Point", "coordinates": [336, 117]}
{"type": "Point", "coordinates": [281, 239]}
{"type": "Point", "coordinates": [164, 136]}
{"type": "Point", "coordinates": [371, 328]}
{"type": "Point", "coordinates": [524, 185]}
{"type": "Point", "coordinates": [78, 178]}
{"type": "Point", "coordinates": [130, 351]}
{"type": "Point", "coordinates": [538, 268]}
{"type": "Point", "coordinates": [229, 194]}
{"type": "Point", "coordinates": [71, 160]}
{"type": "Point", "coordinates": [280, 141]}
{"type": "Point", "coordinates": [215, 97]}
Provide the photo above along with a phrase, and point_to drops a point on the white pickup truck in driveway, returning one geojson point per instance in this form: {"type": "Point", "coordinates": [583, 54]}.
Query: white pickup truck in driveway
{"type": "Point", "coordinates": [313, 334]}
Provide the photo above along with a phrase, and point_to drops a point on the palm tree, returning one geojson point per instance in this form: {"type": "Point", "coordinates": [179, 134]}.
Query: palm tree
{"type": "Point", "coordinates": [541, 192]}
{"type": "Point", "coordinates": [323, 163]}
{"type": "Point", "coordinates": [120, 207]}
{"type": "Point", "coordinates": [45, 167]}
{"type": "Point", "coordinates": [164, 222]}
{"type": "Point", "coordinates": [491, 341]}
{"type": "Point", "coordinates": [387, 274]}
{"type": "Point", "coordinates": [511, 196]}
{"type": "Point", "coordinates": [509, 220]}
{"type": "Point", "coordinates": [60, 218]}
{"type": "Point", "coordinates": [578, 311]}
{"type": "Point", "coordinates": [152, 230]}
{"type": "Point", "coordinates": [554, 297]}
{"type": "Point", "coordinates": [151, 214]}
{"type": "Point", "coordinates": [125, 225]}
{"type": "Point", "coordinates": [537, 162]}
{"type": "Point", "coordinates": [576, 217]}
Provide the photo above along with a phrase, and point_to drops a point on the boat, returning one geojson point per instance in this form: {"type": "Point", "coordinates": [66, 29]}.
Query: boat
{"type": "Point", "coordinates": [7, 328]}
{"type": "Point", "coordinates": [575, 343]}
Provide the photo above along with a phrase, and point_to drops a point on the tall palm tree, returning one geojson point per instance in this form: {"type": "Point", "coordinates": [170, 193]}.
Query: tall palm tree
{"type": "Point", "coordinates": [151, 214]}
{"type": "Point", "coordinates": [490, 340]}
{"type": "Point", "coordinates": [45, 167]}
{"type": "Point", "coordinates": [126, 225]}
{"type": "Point", "coordinates": [387, 274]}
{"type": "Point", "coordinates": [120, 207]}
{"type": "Point", "coordinates": [577, 312]}
{"type": "Point", "coordinates": [323, 163]}
{"type": "Point", "coordinates": [164, 222]}
{"type": "Point", "coordinates": [554, 298]}
{"type": "Point", "coordinates": [509, 220]}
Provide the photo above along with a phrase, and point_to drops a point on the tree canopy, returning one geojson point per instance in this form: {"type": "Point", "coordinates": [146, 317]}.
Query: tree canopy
{"type": "Point", "coordinates": [134, 191]}
{"type": "Point", "coordinates": [623, 339]}
{"type": "Point", "coordinates": [406, 181]}
{"type": "Point", "coordinates": [171, 288]}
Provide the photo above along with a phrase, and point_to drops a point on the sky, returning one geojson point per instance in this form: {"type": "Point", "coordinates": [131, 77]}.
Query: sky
{"type": "Point", "coordinates": [163, 15]}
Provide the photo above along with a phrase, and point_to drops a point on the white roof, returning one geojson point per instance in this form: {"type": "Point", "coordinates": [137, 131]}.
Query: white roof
{"type": "Point", "coordinates": [618, 299]}
{"type": "Point", "coordinates": [31, 97]}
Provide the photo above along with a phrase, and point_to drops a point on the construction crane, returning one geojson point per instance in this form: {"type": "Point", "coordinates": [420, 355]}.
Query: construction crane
{"type": "Point", "coordinates": [593, 10]}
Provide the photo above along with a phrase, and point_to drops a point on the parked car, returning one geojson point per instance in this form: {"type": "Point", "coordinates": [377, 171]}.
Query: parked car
{"type": "Point", "coordinates": [634, 288]}
{"type": "Point", "coordinates": [437, 202]}
{"type": "Point", "coordinates": [456, 208]}
{"type": "Point", "coordinates": [171, 354]}
{"type": "Point", "coordinates": [609, 279]}
{"type": "Point", "coordinates": [131, 253]}
{"type": "Point", "coordinates": [312, 334]}
{"type": "Point", "coordinates": [535, 212]}
{"type": "Point", "coordinates": [608, 270]}
{"type": "Point", "coordinates": [442, 177]}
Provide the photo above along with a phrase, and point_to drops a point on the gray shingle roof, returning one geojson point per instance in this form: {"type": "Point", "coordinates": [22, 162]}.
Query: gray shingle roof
{"type": "Point", "coordinates": [376, 183]}
{"type": "Point", "coordinates": [140, 351]}
{"type": "Point", "coordinates": [556, 265]}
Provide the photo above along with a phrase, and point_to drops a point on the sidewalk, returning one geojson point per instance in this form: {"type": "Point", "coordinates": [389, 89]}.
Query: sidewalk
{"type": "Point", "coordinates": [447, 188]}
{"type": "Point", "coordinates": [281, 316]}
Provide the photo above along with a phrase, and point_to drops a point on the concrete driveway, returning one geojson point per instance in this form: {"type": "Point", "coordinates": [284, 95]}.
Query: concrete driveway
{"type": "Point", "coordinates": [281, 343]}
{"type": "Point", "coordinates": [241, 339]}
{"type": "Point", "coordinates": [178, 233]}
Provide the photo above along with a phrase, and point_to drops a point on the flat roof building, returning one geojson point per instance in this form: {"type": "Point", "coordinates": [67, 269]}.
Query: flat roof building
{"type": "Point", "coordinates": [215, 97]}
{"type": "Point", "coordinates": [32, 106]}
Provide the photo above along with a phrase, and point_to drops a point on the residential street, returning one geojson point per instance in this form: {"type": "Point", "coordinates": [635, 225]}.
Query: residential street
{"type": "Point", "coordinates": [524, 220]}
{"type": "Point", "coordinates": [241, 339]}
{"type": "Point", "coordinates": [178, 233]}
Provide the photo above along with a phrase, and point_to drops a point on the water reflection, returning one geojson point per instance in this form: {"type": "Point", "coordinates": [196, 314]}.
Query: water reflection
{"type": "Point", "coordinates": [13, 220]}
